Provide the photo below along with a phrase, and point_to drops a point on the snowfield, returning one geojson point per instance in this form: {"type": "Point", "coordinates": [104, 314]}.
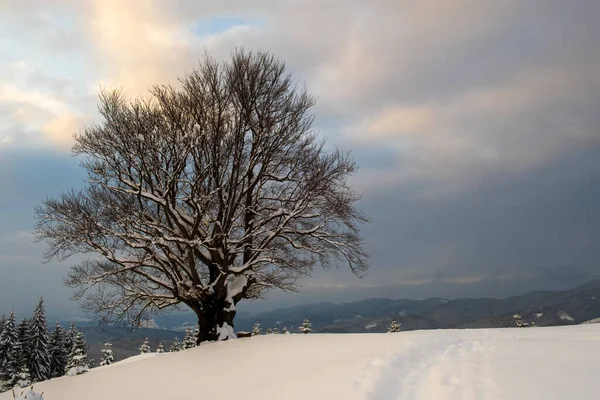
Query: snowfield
{"type": "Point", "coordinates": [528, 363]}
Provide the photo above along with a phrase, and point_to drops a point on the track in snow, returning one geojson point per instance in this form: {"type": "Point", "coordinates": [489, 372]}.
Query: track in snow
{"type": "Point", "coordinates": [491, 364]}
{"type": "Point", "coordinates": [438, 369]}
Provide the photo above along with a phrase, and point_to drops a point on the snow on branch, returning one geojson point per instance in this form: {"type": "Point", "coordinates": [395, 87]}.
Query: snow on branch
{"type": "Point", "coordinates": [213, 191]}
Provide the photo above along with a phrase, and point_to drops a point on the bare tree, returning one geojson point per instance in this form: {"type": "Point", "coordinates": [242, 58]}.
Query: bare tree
{"type": "Point", "coordinates": [204, 194]}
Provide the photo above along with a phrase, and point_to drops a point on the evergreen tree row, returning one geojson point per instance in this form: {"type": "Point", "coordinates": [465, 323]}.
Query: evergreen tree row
{"type": "Point", "coordinates": [30, 353]}
{"type": "Point", "coordinates": [306, 327]}
{"type": "Point", "coordinates": [189, 341]}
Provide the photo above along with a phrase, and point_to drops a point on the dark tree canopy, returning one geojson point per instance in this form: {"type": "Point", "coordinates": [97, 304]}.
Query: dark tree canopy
{"type": "Point", "coordinates": [204, 194]}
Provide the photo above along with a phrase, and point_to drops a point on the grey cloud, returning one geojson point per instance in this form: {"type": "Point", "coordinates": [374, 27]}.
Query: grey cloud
{"type": "Point", "coordinates": [23, 277]}
{"type": "Point", "coordinates": [496, 195]}
{"type": "Point", "coordinates": [504, 225]}
{"type": "Point", "coordinates": [567, 274]}
{"type": "Point", "coordinates": [507, 235]}
{"type": "Point", "coordinates": [510, 84]}
{"type": "Point", "coordinates": [467, 62]}
{"type": "Point", "coordinates": [27, 178]}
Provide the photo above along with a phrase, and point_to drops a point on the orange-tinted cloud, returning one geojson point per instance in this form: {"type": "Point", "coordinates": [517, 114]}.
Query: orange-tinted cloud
{"type": "Point", "coordinates": [139, 44]}
{"type": "Point", "coordinates": [60, 129]}
{"type": "Point", "coordinates": [398, 121]}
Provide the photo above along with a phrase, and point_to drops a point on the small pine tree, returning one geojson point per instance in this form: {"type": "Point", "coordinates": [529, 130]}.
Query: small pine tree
{"type": "Point", "coordinates": [145, 347]}
{"type": "Point", "coordinates": [518, 321]}
{"type": "Point", "coordinates": [58, 352]}
{"type": "Point", "coordinates": [9, 339]}
{"type": "Point", "coordinates": [77, 362]}
{"type": "Point", "coordinates": [269, 331]}
{"type": "Point", "coordinates": [14, 372]}
{"type": "Point", "coordinates": [23, 377]}
{"type": "Point", "coordinates": [306, 326]}
{"type": "Point", "coordinates": [160, 348]}
{"type": "Point", "coordinates": [70, 337]}
{"type": "Point", "coordinates": [285, 331]}
{"type": "Point", "coordinates": [107, 354]}
{"type": "Point", "coordinates": [275, 331]}
{"type": "Point", "coordinates": [256, 329]}
{"type": "Point", "coordinates": [189, 340]}
{"type": "Point", "coordinates": [17, 373]}
{"type": "Point", "coordinates": [20, 354]}
{"type": "Point", "coordinates": [24, 334]}
{"type": "Point", "coordinates": [175, 346]}
{"type": "Point", "coordinates": [394, 327]}
{"type": "Point", "coordinates": [40, 356]}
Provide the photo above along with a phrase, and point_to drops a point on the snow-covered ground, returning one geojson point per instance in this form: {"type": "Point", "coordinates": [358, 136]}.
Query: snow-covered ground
{"type": "Point", "coordinates": [529, 363]}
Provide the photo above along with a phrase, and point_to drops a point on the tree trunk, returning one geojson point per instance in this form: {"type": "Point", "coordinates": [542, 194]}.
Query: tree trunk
{"type": "Point", "coordinates": [215, 320]}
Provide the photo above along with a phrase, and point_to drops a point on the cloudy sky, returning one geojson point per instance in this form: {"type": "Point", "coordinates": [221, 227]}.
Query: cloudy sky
{"type": "Point", "coordinates": [476, 126]}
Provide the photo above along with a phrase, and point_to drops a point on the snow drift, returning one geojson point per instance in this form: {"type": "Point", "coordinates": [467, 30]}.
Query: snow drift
{"type": "Point", "coordinates": [529, 363]}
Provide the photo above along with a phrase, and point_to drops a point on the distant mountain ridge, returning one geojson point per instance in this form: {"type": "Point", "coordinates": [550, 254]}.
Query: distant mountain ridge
{"type": "Point", "coordinates": [580, 304]}
{"type": "Point", "coordinates": [544, 308]}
